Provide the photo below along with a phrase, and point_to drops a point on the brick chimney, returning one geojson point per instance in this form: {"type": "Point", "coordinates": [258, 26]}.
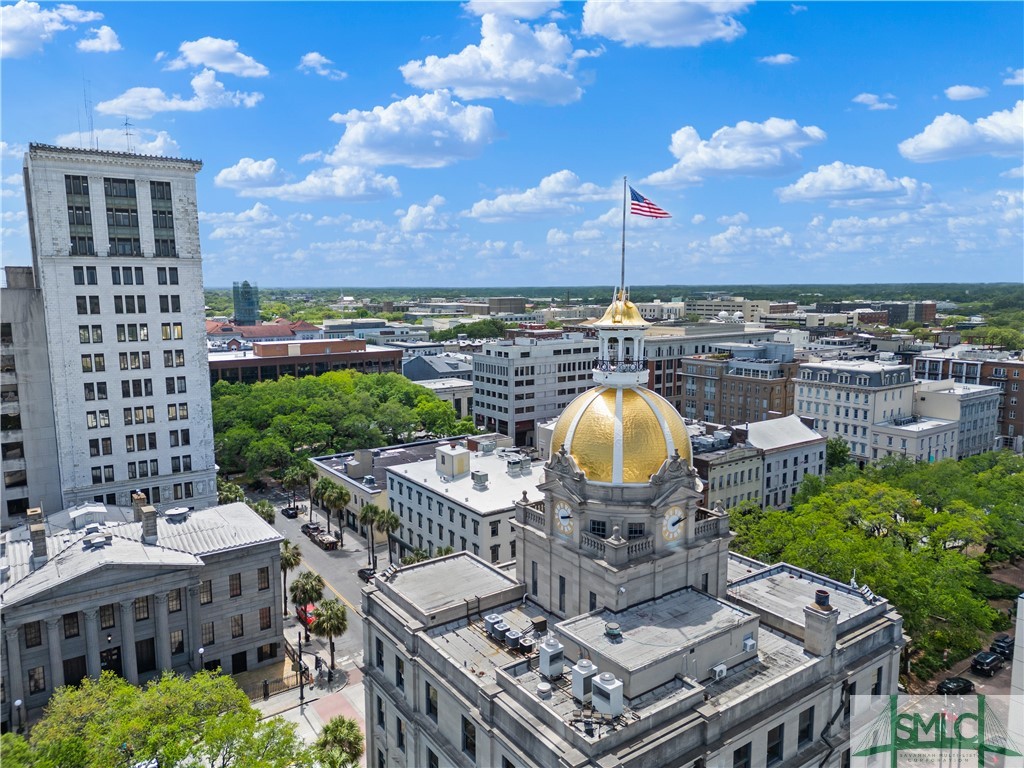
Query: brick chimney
{"type": "Point", "coordinates": [138, 502]}
{"type": "Point", "coordinates": [820, 622]}
{"type": "Point", "coordinates": [148, 524]}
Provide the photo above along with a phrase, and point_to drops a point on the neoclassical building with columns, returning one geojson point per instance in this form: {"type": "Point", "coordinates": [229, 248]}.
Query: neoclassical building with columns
{"type": "Point", "coordinates": [135, 591]}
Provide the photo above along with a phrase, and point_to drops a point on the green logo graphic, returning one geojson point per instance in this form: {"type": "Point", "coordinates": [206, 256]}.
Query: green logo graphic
{"type": "Point", "coordinates": [933, 730]}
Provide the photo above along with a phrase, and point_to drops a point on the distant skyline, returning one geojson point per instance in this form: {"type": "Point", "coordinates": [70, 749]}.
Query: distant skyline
{"type": "Point", "coordinates": [485, 143]}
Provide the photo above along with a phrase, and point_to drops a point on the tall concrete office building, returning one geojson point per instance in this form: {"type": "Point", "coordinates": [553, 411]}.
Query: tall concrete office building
{"type": "Point", "coordinates": [247, 303]}
{"type": "Point", "coordinates": [116, 262]}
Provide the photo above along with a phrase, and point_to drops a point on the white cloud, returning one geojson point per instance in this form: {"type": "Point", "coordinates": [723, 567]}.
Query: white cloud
{"type": "Point", "coordinates": [852, 185]}
{"type": "Point", "coordinates": [1014, 173]}
{"type": "Point", "coordinates": [12, 150]}
{"type": "Point", "coordinates": [557, 237]}
{"type": "Point", "coordinates": [259, 224]}
{"type": "Point", "coordinates": [747, 148]}
{"type": "Point", "coordinates": [428, 131]}
{"type": "Point", "coordinates": [514, 61]}
{"type": "Point", "coordinates": [779, 59]}
{"type": "Point", "coordinates": [698, 218]}
{"type": "Point", "coordinates": [951, 136]}
{"type": "Point", "coordinates": [518, 9]}
{"type": "Point", "coordinates": [662, 24]}
{"type": "Point", "coordinates": [144, 141]}
{"type": "Point", "coordinates": [965, 92]}
{"type": "Point", "coordinates": [208, 93]}
{"type": "Point", "coordinates": [738, 239]}
{"type": "Point", "coordinates": [1013, 76]}
{"type": "Point", "coordinates": [344, 182]}
{"type": "Point", "coordinates": [794, 9]}
{"type": "Point", "coordinates": [557, 194]}
{"type": "Point", "coordinates": [420, 218]}
{"type": "Point", "coordinates": [219, 55]}
{"type": "Point", "coordinates": [104, 40]}
{"type": "Point", "coordinates": [320, 65]}
{"type": "Point", "coordinates": [875, 102]}
{"type": "Point", "coordinates": [248, 172]}
{"type": "Point", "coordinates": [260, 213]}
{"type": "Point", "coordinates": [27, 26]}
{"type": "Point", "coordinates": [738, 218]}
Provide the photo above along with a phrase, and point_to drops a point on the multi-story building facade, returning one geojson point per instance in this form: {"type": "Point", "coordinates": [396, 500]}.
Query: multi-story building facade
{"type": "Point", "coordinates": [627, 634]}
{"type": "Point", "coordinates": [919, 438]}
{"type": "Point", "coordinates": [269, 361]}
{"type": "Point", "coordinates": [246, 299]}
{"type": "Point", "coordinates": [462, 499]}
{"type": "Point", "coordinates": [115, 252]}
{"type": "Point", "coordinates": [709, 309]}
{"type": "Point", "coordinates": [730, 473]}
{"type": "Point", "coordinates": [31, 475]}
{"type": "Point", "coordinates": [791, 450]}
{"type": "Point", "coordinates": [975, 408]}
{"type": "Point", "coordinates": [846, 398]}
{"type": "Point", "coordinates": [204, 591]}
{"type": "Point", "coordinates": [456, 391]}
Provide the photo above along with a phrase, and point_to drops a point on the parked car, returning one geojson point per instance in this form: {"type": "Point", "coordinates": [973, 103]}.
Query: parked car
{"type": "Point", "coordinates": [366, 574]}
{"type": "Point", "coordinates": [304, 613]}
{"type": "Point", "coordinates": [290, 512]}
{"type": "Point", "coordinates": [987, 663]}
{"type": "Point", "coordinates": [955, 686]}
{"type": "Point", "coordinates": [1003, 645]}
{"type": "Point", "coordinates": [311, 529]}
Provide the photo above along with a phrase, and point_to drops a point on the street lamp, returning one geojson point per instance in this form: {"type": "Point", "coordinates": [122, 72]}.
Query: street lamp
{"type": "Point", "coordinates": [302, 676]}
{"type": "Point", "coordinates": [17, 716]}
{"type": "Point", "coordinates": [201, 652]}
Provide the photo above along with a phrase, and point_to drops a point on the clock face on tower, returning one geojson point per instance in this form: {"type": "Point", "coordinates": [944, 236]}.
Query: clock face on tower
{"type": "Point", "coordinates": [672, 526]}
{"type": "Point", "coordinates": [563, 518]}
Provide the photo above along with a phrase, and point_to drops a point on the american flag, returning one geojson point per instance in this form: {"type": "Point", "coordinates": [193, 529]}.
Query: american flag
{"type": "Point", "coordinates": [641, 206]}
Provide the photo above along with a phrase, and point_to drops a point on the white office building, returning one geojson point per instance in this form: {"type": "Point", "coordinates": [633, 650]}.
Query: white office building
{"type": "Point", "coordinates": [791, 451]}
{"type": "Point", "coordinates": [975, 408]}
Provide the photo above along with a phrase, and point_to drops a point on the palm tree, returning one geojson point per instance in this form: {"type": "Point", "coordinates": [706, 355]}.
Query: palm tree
{"type": "Point", "coordinates": [264, 509]}
{"type": "Point", "coordinates": [416, 556]}
{"type": "Point", "coordinates": [308, 587]}
{"type": "Point", "coordinates": [309, 474]}
{"type": "Point", "coordinates": [340, 744]}
{"type": "Point", "coordinates": [320, 489]}
{"type": "Point", "coordinates": [291, 556]}
{"type": "Point", "coordinates": [330, 621]}
{"type": "Point", "coordinates": [368, 516]}
{"type": "Point", "coordinates": [336, 498]}
{"type": "Point", "coordinates": [293, 480]}
{"type": "Point", "coordinates": [442, 551]}
{"type": "Point", "coordinates": [387, 523]}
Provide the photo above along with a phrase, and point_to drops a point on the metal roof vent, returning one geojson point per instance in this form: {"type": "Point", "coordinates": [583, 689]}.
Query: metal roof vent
{"type": "Point", "coordinates": [613, 631]}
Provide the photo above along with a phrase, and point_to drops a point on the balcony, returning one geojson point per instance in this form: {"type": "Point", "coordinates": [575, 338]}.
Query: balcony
{"type": "Point", "coordinates": [620, 366]}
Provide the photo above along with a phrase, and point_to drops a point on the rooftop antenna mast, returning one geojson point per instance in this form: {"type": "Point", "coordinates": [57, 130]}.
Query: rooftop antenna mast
{"type": "Point", "coordinates": [86, 88]}
{"type": "Point", "coordinates": [128, 133]}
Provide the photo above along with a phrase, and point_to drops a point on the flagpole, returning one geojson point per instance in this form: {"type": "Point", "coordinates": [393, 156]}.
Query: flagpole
{"type": "Point", "coordinates": [622, 274]}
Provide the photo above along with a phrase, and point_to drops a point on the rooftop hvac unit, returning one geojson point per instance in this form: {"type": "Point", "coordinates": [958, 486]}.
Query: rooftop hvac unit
{"type": "Point", "coordinates": [479, 480]}
{"type": "Point", "coordinates": [718, 671]}
{"type": "Point", "coordinates": [526, 645]}
{"type": "Point", "coordinates": [491, 621]}
{"type": "Point", "coordinates": [525, 465]}
{"type": "Point", "coordinates": [512, 638]}
{"type": "Point", "coordinates": [500, 630]}
{"type": "Point", "coordinates": [582, 674]}
{"type": "Point", "coordinates": [488, 446]}
{"type": "Point", "coordinates": [552, 658]}
{"type": "Point", "coordinates": [607, 694]}
{"type": "Point", "coordinates": [749, 644]}
{"type": "Point", "coordinates": [513, 467]}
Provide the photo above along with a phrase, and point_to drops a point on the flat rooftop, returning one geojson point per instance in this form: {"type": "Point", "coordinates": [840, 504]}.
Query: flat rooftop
{"type": "Point", "coordinates": [247, 354]}
{"type": "Point", "coordinates": [382, 459]}
{"type": "Point", "coordinates": [448, 582]}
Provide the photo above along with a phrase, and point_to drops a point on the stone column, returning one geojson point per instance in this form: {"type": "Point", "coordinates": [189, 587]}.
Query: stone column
{"type": "Point", "coordinates": [192, 617]}
{"type": "Point", "coordinates": [16, 683]}
{"type": "Point", "coordinates": [129, 662]}
{"type": "Point", "coordinates": [163, 637]}
{"type": "Point", "coordinates": [92, 641]}
{"type": "Point", "coordinates": [53, 627]}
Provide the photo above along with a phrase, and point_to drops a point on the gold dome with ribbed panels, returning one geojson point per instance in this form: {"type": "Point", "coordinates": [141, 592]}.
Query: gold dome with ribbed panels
{"type": "Point", "coordinates": [621, 435]}
{"type": "Point", "coordinates": [622, 313]}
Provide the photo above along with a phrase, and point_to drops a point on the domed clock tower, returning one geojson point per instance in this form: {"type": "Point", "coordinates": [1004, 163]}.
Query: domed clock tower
{"type": "Point", "coordinates": [620, 522]}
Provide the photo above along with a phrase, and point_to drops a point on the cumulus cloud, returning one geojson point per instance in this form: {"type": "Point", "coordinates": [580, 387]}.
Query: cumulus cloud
{"type": "Point", "coordinates": [12, 150]}
{"type": "Point", "coordinates": [27, 26]}
{"type": "Point", "coordinates": [144, 141]}
{"type": "Point", "coordinates": [737, 218]}
{"type": "Point", "coordinates": [518, 9]}
{"type": "Point", "coordinates": [208, 93]}
{"type": "Point", "coordinates": [248, 172]}
{"type": "Point", "coordinates": [843, 184]}
{"type": "Point", "coordinates": [698, 218]}
{"type": "Point", "coordinates": [1014, 173]}
{"type": "Point", "coordinates": [1013, 76]}
{"type": "Point", "coordinates": [965, 92]}
{"type": "Point", "coordinates": [875, 102]}
{"type": "Point", "coordinates": [664, 25]}
{"type": "Point", "coordinates": [263, 178]}
{"type": "Point", "coordinates": [319, 64]}
{"type": "Point", "coordinates": [750, 149]}
{"type": "Point", "coordinates": [794, 9]}
{"type": "Point", "coordinates": [219, 55]}
{"type": "Point", "coordinates": [951, 136]}
{"type": "Point", "coordinates": [557, 194]}
{"type": "Point", "coordinates": [428, 131]}
{"type": "Point", "coordinates": [557, 237]}
{"type": "Point", "coordinates": [421, 218]}
{"type": "Point", "coordinates": [514, 61]}
{"type": "Point", "coordinates": [737, 239]}
{"type": "Point", "coordinates": [779, 59]}
{"type": "Point", "coordinates": [104, 40]}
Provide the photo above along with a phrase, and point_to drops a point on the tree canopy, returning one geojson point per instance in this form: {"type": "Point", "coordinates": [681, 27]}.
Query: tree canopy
{"type": "Point", "coordinates": [481, 329]}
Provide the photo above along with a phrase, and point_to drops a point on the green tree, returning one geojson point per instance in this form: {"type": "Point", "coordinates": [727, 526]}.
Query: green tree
{"type": "Point", "coordinates": [321, 490]}
{"type": "Point", "coordinates": [202, 720]}
{"type": "Point", "coordinates": [264, 509]}
{"type": "Point", "coordinates": [294, 478]}
{"type": "Point", "coordinates": [336, 498]}
{"type": "Point", "coordinates": [291, 558]}
{"type": "Point", "coordinates": [837, 453]}
{"type": "Point", "coordinates": [306, 588]}
{"type": "Point", "coordinates": [16, 751]}
{"type": "Point", "coordinates": [340, 744]}
{"type": "Point", "coordinates": [436, 416]}
{"type": "Point", "coordinates": [396, 421]}
{"type": "Point", "coordinates": [416, 556]}
{"type": "Point", "coordinates": [266, 454]}
{"type": "Point", "coordinates": [368, 517]}
{"type": "Point", "coordinates": [387, 523]}
{"type": "Point", "coordinates": [330, 620]}
{"type": "Point", "coordinates": [228, 492]}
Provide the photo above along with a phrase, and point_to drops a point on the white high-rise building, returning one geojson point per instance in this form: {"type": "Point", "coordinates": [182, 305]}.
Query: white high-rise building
{"type": "Point", "coordinates": [116, 258]}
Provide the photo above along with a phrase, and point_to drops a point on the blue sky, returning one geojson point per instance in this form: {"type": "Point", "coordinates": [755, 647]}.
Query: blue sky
{"type": "Point", "coordinates": [484, 143]}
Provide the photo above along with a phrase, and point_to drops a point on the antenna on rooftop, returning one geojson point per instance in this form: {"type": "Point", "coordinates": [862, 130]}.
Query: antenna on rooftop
{"type": "Point", "coordinates": [128, 134]}
{"type": "Point", "coordinates": [87, 98]}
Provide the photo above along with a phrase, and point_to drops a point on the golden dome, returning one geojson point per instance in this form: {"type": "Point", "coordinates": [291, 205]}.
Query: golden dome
{"type": "Point", "coordinates": [622, 312]}
{"type": "Point", "coordinates": [620, 435]}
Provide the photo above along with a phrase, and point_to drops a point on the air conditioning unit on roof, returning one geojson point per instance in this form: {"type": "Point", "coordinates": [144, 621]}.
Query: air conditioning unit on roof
{"type": "Point", "coordinates": [719, 670]}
